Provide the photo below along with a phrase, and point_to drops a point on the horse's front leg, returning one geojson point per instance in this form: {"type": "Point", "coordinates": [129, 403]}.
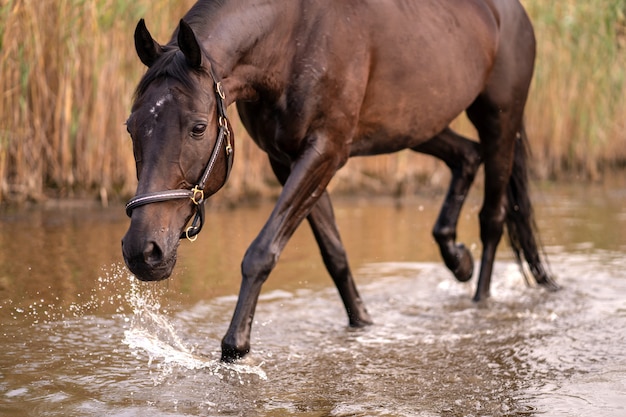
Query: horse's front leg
{"type": "Point", "coordinates": [322, 221]}
{"type": "Point", "coordinates": [463, 158]}
{"type": "Point", "coordinates": [307, 181]}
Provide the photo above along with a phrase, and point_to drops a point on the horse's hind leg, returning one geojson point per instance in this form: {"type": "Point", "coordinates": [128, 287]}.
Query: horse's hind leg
{"type": "Point", "coordinates": [463, 158]}
{"type": "Point", "coordinates": [497, 130]}
{"type": "Point", "coordinates": [497, 114]}
{"type": "Point", "coordinates": [506, 197]}
{"type": "Point", "coordinates": [322, 222]}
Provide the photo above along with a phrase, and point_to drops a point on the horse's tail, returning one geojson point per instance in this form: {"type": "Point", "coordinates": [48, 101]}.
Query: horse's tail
{"type": "Point", "coordinates": [520, 221]}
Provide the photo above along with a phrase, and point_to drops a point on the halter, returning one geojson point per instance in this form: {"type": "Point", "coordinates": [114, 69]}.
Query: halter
{"type": "Point", "coordinates": [196, 193]}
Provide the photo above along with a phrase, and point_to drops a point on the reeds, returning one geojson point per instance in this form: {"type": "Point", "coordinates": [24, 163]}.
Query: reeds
{"type": "Point", "coordinates": [66, 78]}
{"type": "Point", "coordinates": [577, 110]}
{"type": "Point", "coordinates": [68, 70]}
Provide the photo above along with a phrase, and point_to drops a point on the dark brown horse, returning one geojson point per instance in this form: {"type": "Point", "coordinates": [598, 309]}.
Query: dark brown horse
{"type": "Point", "coordinates": [316, 82]}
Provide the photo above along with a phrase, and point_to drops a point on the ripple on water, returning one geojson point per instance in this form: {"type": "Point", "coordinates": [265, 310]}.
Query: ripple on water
{"type": "Point", "coordinates": [430, 352]}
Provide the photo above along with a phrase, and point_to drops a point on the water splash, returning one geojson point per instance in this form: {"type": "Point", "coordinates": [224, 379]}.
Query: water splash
{"type": "Point", "coordinates": [152, 332]}
{"type": "Point", "coordinates": [147, 321]}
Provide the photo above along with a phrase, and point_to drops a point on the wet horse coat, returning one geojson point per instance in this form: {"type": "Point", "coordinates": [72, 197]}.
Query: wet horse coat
{"type": "Point", "coordinates": [315, 83]}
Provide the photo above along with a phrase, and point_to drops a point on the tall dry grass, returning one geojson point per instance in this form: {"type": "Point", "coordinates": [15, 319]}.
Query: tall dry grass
{"type": "Point", "coordinates": [65, 78]}
{"type": "Point", "coordinates": [577, 109]}
{"type": "Point", "coordinates": [68, 70]}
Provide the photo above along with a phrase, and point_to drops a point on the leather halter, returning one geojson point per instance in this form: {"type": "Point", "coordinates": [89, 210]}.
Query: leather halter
{"type": "Point", "coordinates": [196, 193]}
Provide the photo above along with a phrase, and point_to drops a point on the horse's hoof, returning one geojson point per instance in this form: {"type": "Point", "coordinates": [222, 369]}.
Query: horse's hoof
{"type": "Point", "coordinates": [361, 321]}
{"type": "Point", "coordinates": [231, 353]}
{"type": "Point", "coordinates": [480, 298]}
{"type": "Point", "coordinates": [549, 284]}
{"type": "Point", "coordinates": [465, 269]}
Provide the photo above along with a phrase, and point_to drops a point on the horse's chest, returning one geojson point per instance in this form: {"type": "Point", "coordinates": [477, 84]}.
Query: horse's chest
{"type": "Point", "coordinates": [273, 128]}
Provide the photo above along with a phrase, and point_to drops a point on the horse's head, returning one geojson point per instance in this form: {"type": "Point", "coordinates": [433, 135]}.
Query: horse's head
{"type": "Point", "coordinates": [182, 148]}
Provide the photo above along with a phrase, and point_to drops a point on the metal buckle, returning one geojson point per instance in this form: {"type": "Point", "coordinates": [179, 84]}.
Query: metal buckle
{"type": "Point", "coordinates": [194, 197]}
{"type": "Point", "coordinates": [223, 122]}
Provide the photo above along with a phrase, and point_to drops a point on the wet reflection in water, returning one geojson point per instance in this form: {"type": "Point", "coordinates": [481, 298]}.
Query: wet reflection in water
{"type": "Point", "coordinates": [81, 337]}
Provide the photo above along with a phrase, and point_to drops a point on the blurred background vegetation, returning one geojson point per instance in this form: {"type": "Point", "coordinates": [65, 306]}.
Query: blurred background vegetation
{"type": "Point", "coordinates": [68, 70]}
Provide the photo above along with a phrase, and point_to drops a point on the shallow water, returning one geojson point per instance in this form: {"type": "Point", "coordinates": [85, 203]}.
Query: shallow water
{"type": "Point", "coordinates": [82, 337]}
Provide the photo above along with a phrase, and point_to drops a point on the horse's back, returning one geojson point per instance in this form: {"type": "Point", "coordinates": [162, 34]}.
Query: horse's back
{"type": "Point", "coordinates": [391, 73]}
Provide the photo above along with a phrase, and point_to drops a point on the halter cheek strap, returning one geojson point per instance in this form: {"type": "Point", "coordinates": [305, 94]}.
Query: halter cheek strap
{"type": "Point", "coordinates": [196, 193]}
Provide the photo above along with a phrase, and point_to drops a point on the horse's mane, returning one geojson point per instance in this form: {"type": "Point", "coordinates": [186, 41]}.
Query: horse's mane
{"type": "Point", "coordinates": [202, 10]}
{"type": "Point", "coordinates": [172, 64]}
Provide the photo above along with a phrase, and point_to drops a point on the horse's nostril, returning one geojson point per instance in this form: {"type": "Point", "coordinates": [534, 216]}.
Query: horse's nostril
{"type": "Point", "coordinates": [152, 254]}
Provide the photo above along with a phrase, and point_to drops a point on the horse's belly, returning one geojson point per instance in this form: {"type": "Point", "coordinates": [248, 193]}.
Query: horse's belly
{"type": "Point", "coordinates": [389, 123]}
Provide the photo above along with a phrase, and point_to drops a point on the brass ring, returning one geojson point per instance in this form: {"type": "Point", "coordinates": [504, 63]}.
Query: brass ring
{"type": "Point", "coordinates": [190, 238]}
{"type": "Point", "coordinates": [220, 90]}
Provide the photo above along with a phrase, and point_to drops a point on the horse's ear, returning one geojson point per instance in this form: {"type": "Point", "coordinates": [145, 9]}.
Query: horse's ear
{"type": "Point", "coordinates": [189, 45]}
{"type": "Point", "coordinates": [147, 48]}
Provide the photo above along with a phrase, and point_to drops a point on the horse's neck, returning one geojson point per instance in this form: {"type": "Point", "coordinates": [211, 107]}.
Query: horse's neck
{"type": "Point", "coordinates": [247, 41]}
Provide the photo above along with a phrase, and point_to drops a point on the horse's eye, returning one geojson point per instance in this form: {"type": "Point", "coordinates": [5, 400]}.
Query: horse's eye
{"type": "Point", "coordinates": [198, 130]}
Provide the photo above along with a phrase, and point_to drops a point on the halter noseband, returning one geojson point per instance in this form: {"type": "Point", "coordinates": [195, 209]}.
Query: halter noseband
{"type": "Point", "coordinates": [196, 193]}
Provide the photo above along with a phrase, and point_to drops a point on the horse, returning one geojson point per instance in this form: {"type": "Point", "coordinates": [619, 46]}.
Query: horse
{"type": "Point", "coordinates": [316, 82]}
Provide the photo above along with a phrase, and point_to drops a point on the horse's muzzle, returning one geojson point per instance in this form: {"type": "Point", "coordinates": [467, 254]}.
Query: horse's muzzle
{"type": "Point", "coordinates": [148, 260]}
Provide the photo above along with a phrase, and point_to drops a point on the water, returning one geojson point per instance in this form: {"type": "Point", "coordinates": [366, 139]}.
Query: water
{"type": "Point", "coordinates": [82, 337]}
